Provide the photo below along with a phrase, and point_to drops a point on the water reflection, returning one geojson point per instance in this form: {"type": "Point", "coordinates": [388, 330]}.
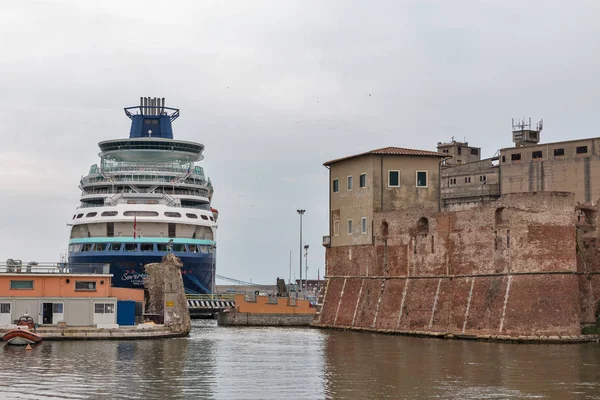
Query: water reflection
{"type": "Point", "coordinates": [274, 363]}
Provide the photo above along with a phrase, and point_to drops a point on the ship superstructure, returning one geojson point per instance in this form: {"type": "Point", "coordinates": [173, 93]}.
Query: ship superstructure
{"type": "Point", "coordinates": [145, 198]}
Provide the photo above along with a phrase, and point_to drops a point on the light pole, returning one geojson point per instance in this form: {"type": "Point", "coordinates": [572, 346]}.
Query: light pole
{"type": "Point", "coordinates": [306, 261]}
{"type": "Point", "coordinates": [301, 213]}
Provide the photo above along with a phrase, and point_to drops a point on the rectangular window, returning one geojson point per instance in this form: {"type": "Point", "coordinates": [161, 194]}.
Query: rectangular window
{"type": "Point", "coordinates": [459, 151]}
{"type": "Point", "coordinates": [114, 247]}
{"type": "Point", "coordinates": [536, 154]}
{"type": "Point", "coordinates": [559, 152]}
{"type": "Point", "coordinates": [483, 179]}
{"type": "Point", "coordinates": [336, 228]}
{"type": "Point", "coordinates": [421, 178]}
{"type": "Point", "coordinates": [172, 230]}
{"type": "Point", "coordinates": [4, 308]}
{"type": "Point", "coordinates": [503, 158]}
{"type": "Point", "coordinates": [349, 183]}
{"type": "Point", "coordinates": [515, 156]}
{"type": "Point", "coordinates": [349, 227]}
{"type": "Point", "coordinates": [475, 152]}
{"type": "Point", "coordinates": [467, 179]}
{"type": "Point", "coordinates": [104, 308]}
{"type": "Point", "coordinates": [363, 225]}
{"type": "Point", "coordinates": [110, 229]}
{"type": "Point", "coordinates": [581, 149]}
{"type": "Point", "coordinates": [363, 180]}
{"type": "Point", "coordinates": [393, 178]}
{"type": "Point", "coordinates": [85, 285]}
{"type": "Point", "coordinates": [21, 284]}
{"type": "Point", "coordinates": [57, 308]}
{"type": "Point", "coordinates": [336, 186]}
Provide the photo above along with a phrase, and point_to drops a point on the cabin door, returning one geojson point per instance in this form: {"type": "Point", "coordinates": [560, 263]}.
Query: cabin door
{"type": "Point", "coordinates": [5, 314]}
{"type": "Point", "coordinates": [52, 313]}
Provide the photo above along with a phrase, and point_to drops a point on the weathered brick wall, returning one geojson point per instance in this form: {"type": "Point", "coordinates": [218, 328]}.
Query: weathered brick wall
{"type": "Point", "coordinates": [478, 271]}
{"type": "Point", "coordinates": [588, 263]}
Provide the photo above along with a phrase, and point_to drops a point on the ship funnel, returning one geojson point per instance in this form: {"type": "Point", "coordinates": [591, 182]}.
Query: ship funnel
{"type": "Point", "coordinates": [152, 105]}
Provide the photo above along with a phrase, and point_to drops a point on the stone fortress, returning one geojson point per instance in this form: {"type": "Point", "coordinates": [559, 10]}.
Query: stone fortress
{"type": "Point", "coordinates": [446, 244]}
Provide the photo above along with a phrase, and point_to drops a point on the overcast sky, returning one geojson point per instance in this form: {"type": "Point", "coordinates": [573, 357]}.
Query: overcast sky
{"type": "Point", "coordinates": [273, 89]}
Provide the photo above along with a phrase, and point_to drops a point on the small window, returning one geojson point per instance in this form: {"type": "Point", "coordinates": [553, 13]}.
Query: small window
{"type": "Point", "coordinates": [4, 308]}
{"type": "Point", "coordinates": [515, 156]}
{"type": "Point", "coordinates": [104, 308]}
{"type": "Point", "coordinates": [536, 154]}
{"type": "Point", "coordinates": [336, 228]}
{"type": "Point", "coordinates": [21, 284]}
{"type": "Point", "coordinates": [363, 225]}
{"type": "Point", "coordinates": [99, 246]}
{"type": "Point", "coordinates": [581, 149]}
{"type": "Point", "coordinates": [559, 152]}
{"type": "Point", "coordinates": [154, 122]}
{"type": "Point", "coordinates": [130, 246]}
{"type": "Point", "coordinates": [147, 121]}
{"type": "Point", "coordinates": [393, 178]}
{"type": "Point", "coordinates": [503, 159]}
{"type": "Point", "coordinates": [204, 217]}
{"type": "Point", "coordinates": [475, 152]}
{"type": "Point", "coordinates": [85, 285]}
{"type": "Point", "coordinates": [467, 179]}
{"type": "Point", "coordinates": [140, 214]}
{"type": "Point", "coordinates": [79, 215]}
{"type": "Point", "coordinates": [211, 218]}
{"type": "Point", "coordinates": [146, 247]}
{"type": "Point", "coordinates": [459, 151]}
{"type": "Point", "coordinates": [421, 178]}
{"type": "Point", "coordinates": [349, 183]}
{"type": "Point", "coordinates": [363, 180]}
{"type": "Point", "coordinates": [109, 213]}
{"type": "Point", "coordinates": [483, 179]}
{"type": "Point", "coordinates": [172, 214]}
{"type": "Point", "coordinates": [190, 215]}
{"type": "Point", "coordinates": [114, 246]}
{"type": "Point", "coordinates": [58, 308]}
{"type": "Point", "coordinates": [349, 227]}
{"type": "Point", "coordinates": [110, 229]}
{"type": "Point", "coordinates": [336, 185]}
{"type": "Point", "coordinates": [91, 214]}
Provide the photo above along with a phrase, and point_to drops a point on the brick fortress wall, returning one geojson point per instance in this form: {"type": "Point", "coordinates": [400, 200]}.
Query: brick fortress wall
{"type": "Point", "coordinates": [507, 268]}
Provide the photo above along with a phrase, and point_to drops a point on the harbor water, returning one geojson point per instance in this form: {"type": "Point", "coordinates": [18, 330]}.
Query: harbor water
{"type": "Point", "coordinates": [294, 363]}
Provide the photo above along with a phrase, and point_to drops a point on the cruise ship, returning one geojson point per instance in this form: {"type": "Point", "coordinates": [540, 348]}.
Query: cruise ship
{"type": "Point", "coordinates": [145, 198]}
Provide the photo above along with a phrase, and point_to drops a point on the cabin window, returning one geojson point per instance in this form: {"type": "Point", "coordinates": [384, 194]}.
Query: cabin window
{"type": "Point", "coordinates": [172, 214]}
{"type": "Point", "coordinates": [204, 217]}
{"type": "Point", "coordinates": [4, 308]}
{"type": "Point", "coordinates": [99, 246]}
{"type": "Point", "coordinates": [211, 218]}
{"type": "Point", "coordinates": [515, 156]}
{"type": "Point", "coordinates": [146, 247]}
{"type": "Point", "coordinates": [536, 154]}
{"type": "Point", "coordinates": [336, 185]}
{"type": "Point", "coordinates": [141, 214]}
{"type": "Point", "coordinates": [104, 308]}
{"type": "Point", "coordinates": [349, 227]}
{"type": "Point", "coordinates": [363, 180]}
{"type": "Point", "coordinates": [559, 152]}
{"type": "Point", "coordinates": [91, 214]}
{"type": "Point", "coordinates": [79, 215]}
{"type": "Point", "coordinates": [422, 179]}
{"type": "Point", "coordinates": [350, 183]}
{"type": "Point", "coordinates": [190, 215]}
{"type": "Point", "coordinates": [89, 286]}
{"type": "Point", "coordinates": [363, 225]}
{"type": "Point", "coordinates": [581, 150]}
{"type": "Point", "coordinates": [109, 213]}
{"type": "Point", "coordinates": [114, 247]}
{"type": "Point", "coordinates": [393, 178]}
{"type": "Point", "coordinates": [21, 284]}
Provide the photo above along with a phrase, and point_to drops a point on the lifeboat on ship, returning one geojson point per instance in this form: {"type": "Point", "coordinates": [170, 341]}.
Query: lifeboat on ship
{"type": "Point", "coordinates": [215, 213]}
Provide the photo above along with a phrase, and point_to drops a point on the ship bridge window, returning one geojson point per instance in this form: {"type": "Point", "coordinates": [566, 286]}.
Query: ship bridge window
{"type": "Point", "coordinates": [172, 214]}
{"type": "Point", "coordinates": [114, 247]}
{"type": "Point", "coordinates": [140, 214]}
{"type": "Point", "coordinates": [86, 247]}
{"type": "Point", "coordinates": [75, 248]}
{"type": "Point", "coordinates": [150, 122]}
{"type": "Point", "coordinates": [99, 247]}
{"type": "Point", "coordinates": [109, 213]}
{"type": "Point", "coordinates": [147, 247]}
{"type": "Point", "coordinates": [190, 215]}
{"type": "Point", "coordinates": [179, 247]}
{"type": "Point", "coordinates": [130, 246]}
{"type": "Point", "coordinates": [91, 214]}
{"type": "Point", "coordinates": [203, 249]}
{"type": "Point", "coordinates": [204, 217]}
{"type": "Point", "coordinates": [162, 247]}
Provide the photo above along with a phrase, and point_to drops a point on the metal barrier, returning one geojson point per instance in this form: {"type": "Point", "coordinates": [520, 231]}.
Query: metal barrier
{"type": "Point", "coordinates": [216, 296]}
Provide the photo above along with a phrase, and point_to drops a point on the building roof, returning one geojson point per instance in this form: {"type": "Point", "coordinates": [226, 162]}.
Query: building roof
{"type": "Point", "coordinates": [391, 151]}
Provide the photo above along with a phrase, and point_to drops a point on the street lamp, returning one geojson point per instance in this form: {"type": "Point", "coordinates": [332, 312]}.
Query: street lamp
{"type": "Point", "coordinates": [301, 213]}
{"type": "Point", "coordinates": [306, 261]}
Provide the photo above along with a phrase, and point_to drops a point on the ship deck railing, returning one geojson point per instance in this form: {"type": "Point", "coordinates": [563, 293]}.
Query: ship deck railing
{"type": "Point", "coordinates": [34, 267]}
